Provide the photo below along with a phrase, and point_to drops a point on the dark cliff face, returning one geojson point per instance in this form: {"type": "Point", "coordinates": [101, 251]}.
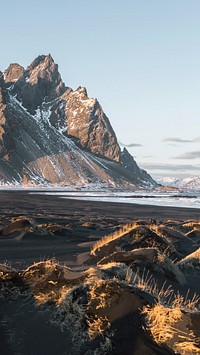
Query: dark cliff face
{"type": "Point", "coordinates": [50, 133]}
{"type": "Point", "coordinates": [131, 166]}
{"type": "Point", "coordinates": [2, 119]}
{"type": "Point", "coordinates": [41, 81]}
{"type": "Point", "coordinates": [87, 122]}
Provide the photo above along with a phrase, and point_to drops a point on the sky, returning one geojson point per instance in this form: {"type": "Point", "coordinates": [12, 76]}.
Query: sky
{"type": "Point", "coordinates": [139, 58]}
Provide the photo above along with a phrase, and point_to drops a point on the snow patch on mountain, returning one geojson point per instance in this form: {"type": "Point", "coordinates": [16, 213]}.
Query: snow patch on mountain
{"type": "Point", "coordinates": [189, 183]}
{"type": "Point", "coordinates": [50, 134]}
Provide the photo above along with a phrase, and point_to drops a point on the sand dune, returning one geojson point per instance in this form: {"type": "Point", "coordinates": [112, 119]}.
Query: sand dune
{"type": "Point", "coordinates": [112, 284]}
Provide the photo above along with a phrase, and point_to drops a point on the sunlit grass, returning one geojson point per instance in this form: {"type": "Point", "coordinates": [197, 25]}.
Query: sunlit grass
{"type": "Point", "coordinates": [164, 321]}
{"type": "Point", "coordinates": [113, 236]}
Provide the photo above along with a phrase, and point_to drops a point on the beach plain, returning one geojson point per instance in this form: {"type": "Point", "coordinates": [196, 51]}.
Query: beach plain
{"type": "Point", "coordinates": [88, 277]}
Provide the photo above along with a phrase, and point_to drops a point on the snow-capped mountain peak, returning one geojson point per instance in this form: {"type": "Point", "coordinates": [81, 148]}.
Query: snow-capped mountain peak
{"type": "Point", "coordinates": [53, 134]}
{"type": "Point", "coordinates": [188, 183]}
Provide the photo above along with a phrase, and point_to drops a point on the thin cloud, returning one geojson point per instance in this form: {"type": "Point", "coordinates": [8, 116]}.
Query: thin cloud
{"type": "Point", "coordinates": [177, 140]}
{"type": "Point", "coordinates": [173, 145]}
{"type": "Point", "coordinates": [189, 155]}
{"type": "Point", "coordinates": [131, 145]}
{"type": "Point", "coordinates": [181, 140]}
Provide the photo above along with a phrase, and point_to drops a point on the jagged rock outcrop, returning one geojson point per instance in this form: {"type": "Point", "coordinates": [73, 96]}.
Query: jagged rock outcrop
{"type": "Point", "coordinates": [2, 117]}
{"type": "Point", "coordinates": [40, 82]}
{"type": "Point", "coordinates": [13, 73]}
{"type": "Point", "coordinates": [93, 130]}
{"type": "Point", "coordinates": [131, 166]}
{"type": "Point", "coordinates": [52, 134]}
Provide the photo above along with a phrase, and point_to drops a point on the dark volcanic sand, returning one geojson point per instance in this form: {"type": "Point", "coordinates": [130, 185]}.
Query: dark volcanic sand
{"type": "Point", "coordinates": [86, 221]}
{"type": "Point", "coordinates": [44, 207]}
{"type": "Point", "coordinates": [26, 328]}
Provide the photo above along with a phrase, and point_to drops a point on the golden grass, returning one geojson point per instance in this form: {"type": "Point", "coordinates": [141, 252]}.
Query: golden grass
{"type": "Point", "coordinates": [187, 348]}
{"type": "Point", "coordinates": [155, 227]}
{"type": "Point", "coordinates": [83, 319]}
{"type": "Point", "coordinates": [163, 322]}
{"type": "Point", "coordinates": [113, 236]}
{"type": "Point", "coordinates": [145, 282]}
{"type": "Point", "coordinates": [46, 281]}
{"type": "Point", "coordinates": [185, 303]}
{"type": "Point", "coordinates": [162, 319]}
{"type": "Point", "coordinates": [71, 313]}
{"type": "Point", "coordinates": [191, 224]}
{"type": "Point", "coordinates": [165, 296]}
{"type": "Point", "coordinates": [82, 308]}
{"type": "Point", "coordinates": [124, 275]}
{"type": "Point", "coordinates": [96, 326]}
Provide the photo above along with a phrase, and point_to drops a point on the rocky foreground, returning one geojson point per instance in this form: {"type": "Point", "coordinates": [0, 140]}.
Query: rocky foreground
{"type": "Point", "coordinates": [128, 288]}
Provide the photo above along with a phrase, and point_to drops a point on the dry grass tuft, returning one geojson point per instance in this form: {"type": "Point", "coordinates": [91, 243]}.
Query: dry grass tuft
{"type": "Point", "coordinates": [109, 238]}
{"type": "Point", "coordinates": [185, 303]}
{"type": "Point", "coordinates": [161, 321]}
{"type": "Point", "coordinates": [191, 224]}
{"type": "Point", "coordinates": [81, 309]}
{"type": "Point", "coordinates": [145, 282]}
{"type": "Point", "coordinates": [48, 280]}
{"type": "Point", "coordinates": [97, 326]}
{"type": "Point", "coordinates": [187, 348]}
{"type": "Point", "coordinates": [71, 314]}
{"type": "Point", "coordinates": [164, 321]}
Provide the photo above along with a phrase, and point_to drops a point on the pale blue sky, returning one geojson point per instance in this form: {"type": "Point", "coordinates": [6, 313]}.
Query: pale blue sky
{"type": "Point", "coordinates": [141, 59]}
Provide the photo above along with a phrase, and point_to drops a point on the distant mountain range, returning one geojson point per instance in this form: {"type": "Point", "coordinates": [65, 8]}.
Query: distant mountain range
{"type": "Point", "coordinates": [51, 134]}
{"type": "Point", "coordinates": [189, 183]}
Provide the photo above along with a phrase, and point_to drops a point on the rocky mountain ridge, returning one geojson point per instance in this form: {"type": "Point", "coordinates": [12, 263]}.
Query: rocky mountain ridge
{"type": "Point", "coordinates": [191, 183]}
{"type": "Point", "coordinates": [50, 133]}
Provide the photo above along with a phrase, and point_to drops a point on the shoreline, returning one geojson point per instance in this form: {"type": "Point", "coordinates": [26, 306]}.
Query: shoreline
{"type": "Point", "coordinates": [26, 202]}
{"type": "Point", "coordinates": [81, 224]}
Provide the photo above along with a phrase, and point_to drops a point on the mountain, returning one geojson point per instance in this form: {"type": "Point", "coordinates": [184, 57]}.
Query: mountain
{"type": "Point", "coordinates": [189, 183]}
{"type": "Point", "coordinates": [51, 134]}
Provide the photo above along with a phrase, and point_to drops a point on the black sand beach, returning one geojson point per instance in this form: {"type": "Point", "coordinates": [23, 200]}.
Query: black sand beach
{"type": "Point", "coordinates": [85, 221]}
{"type": "Point", "coordinates": [62, 292]}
